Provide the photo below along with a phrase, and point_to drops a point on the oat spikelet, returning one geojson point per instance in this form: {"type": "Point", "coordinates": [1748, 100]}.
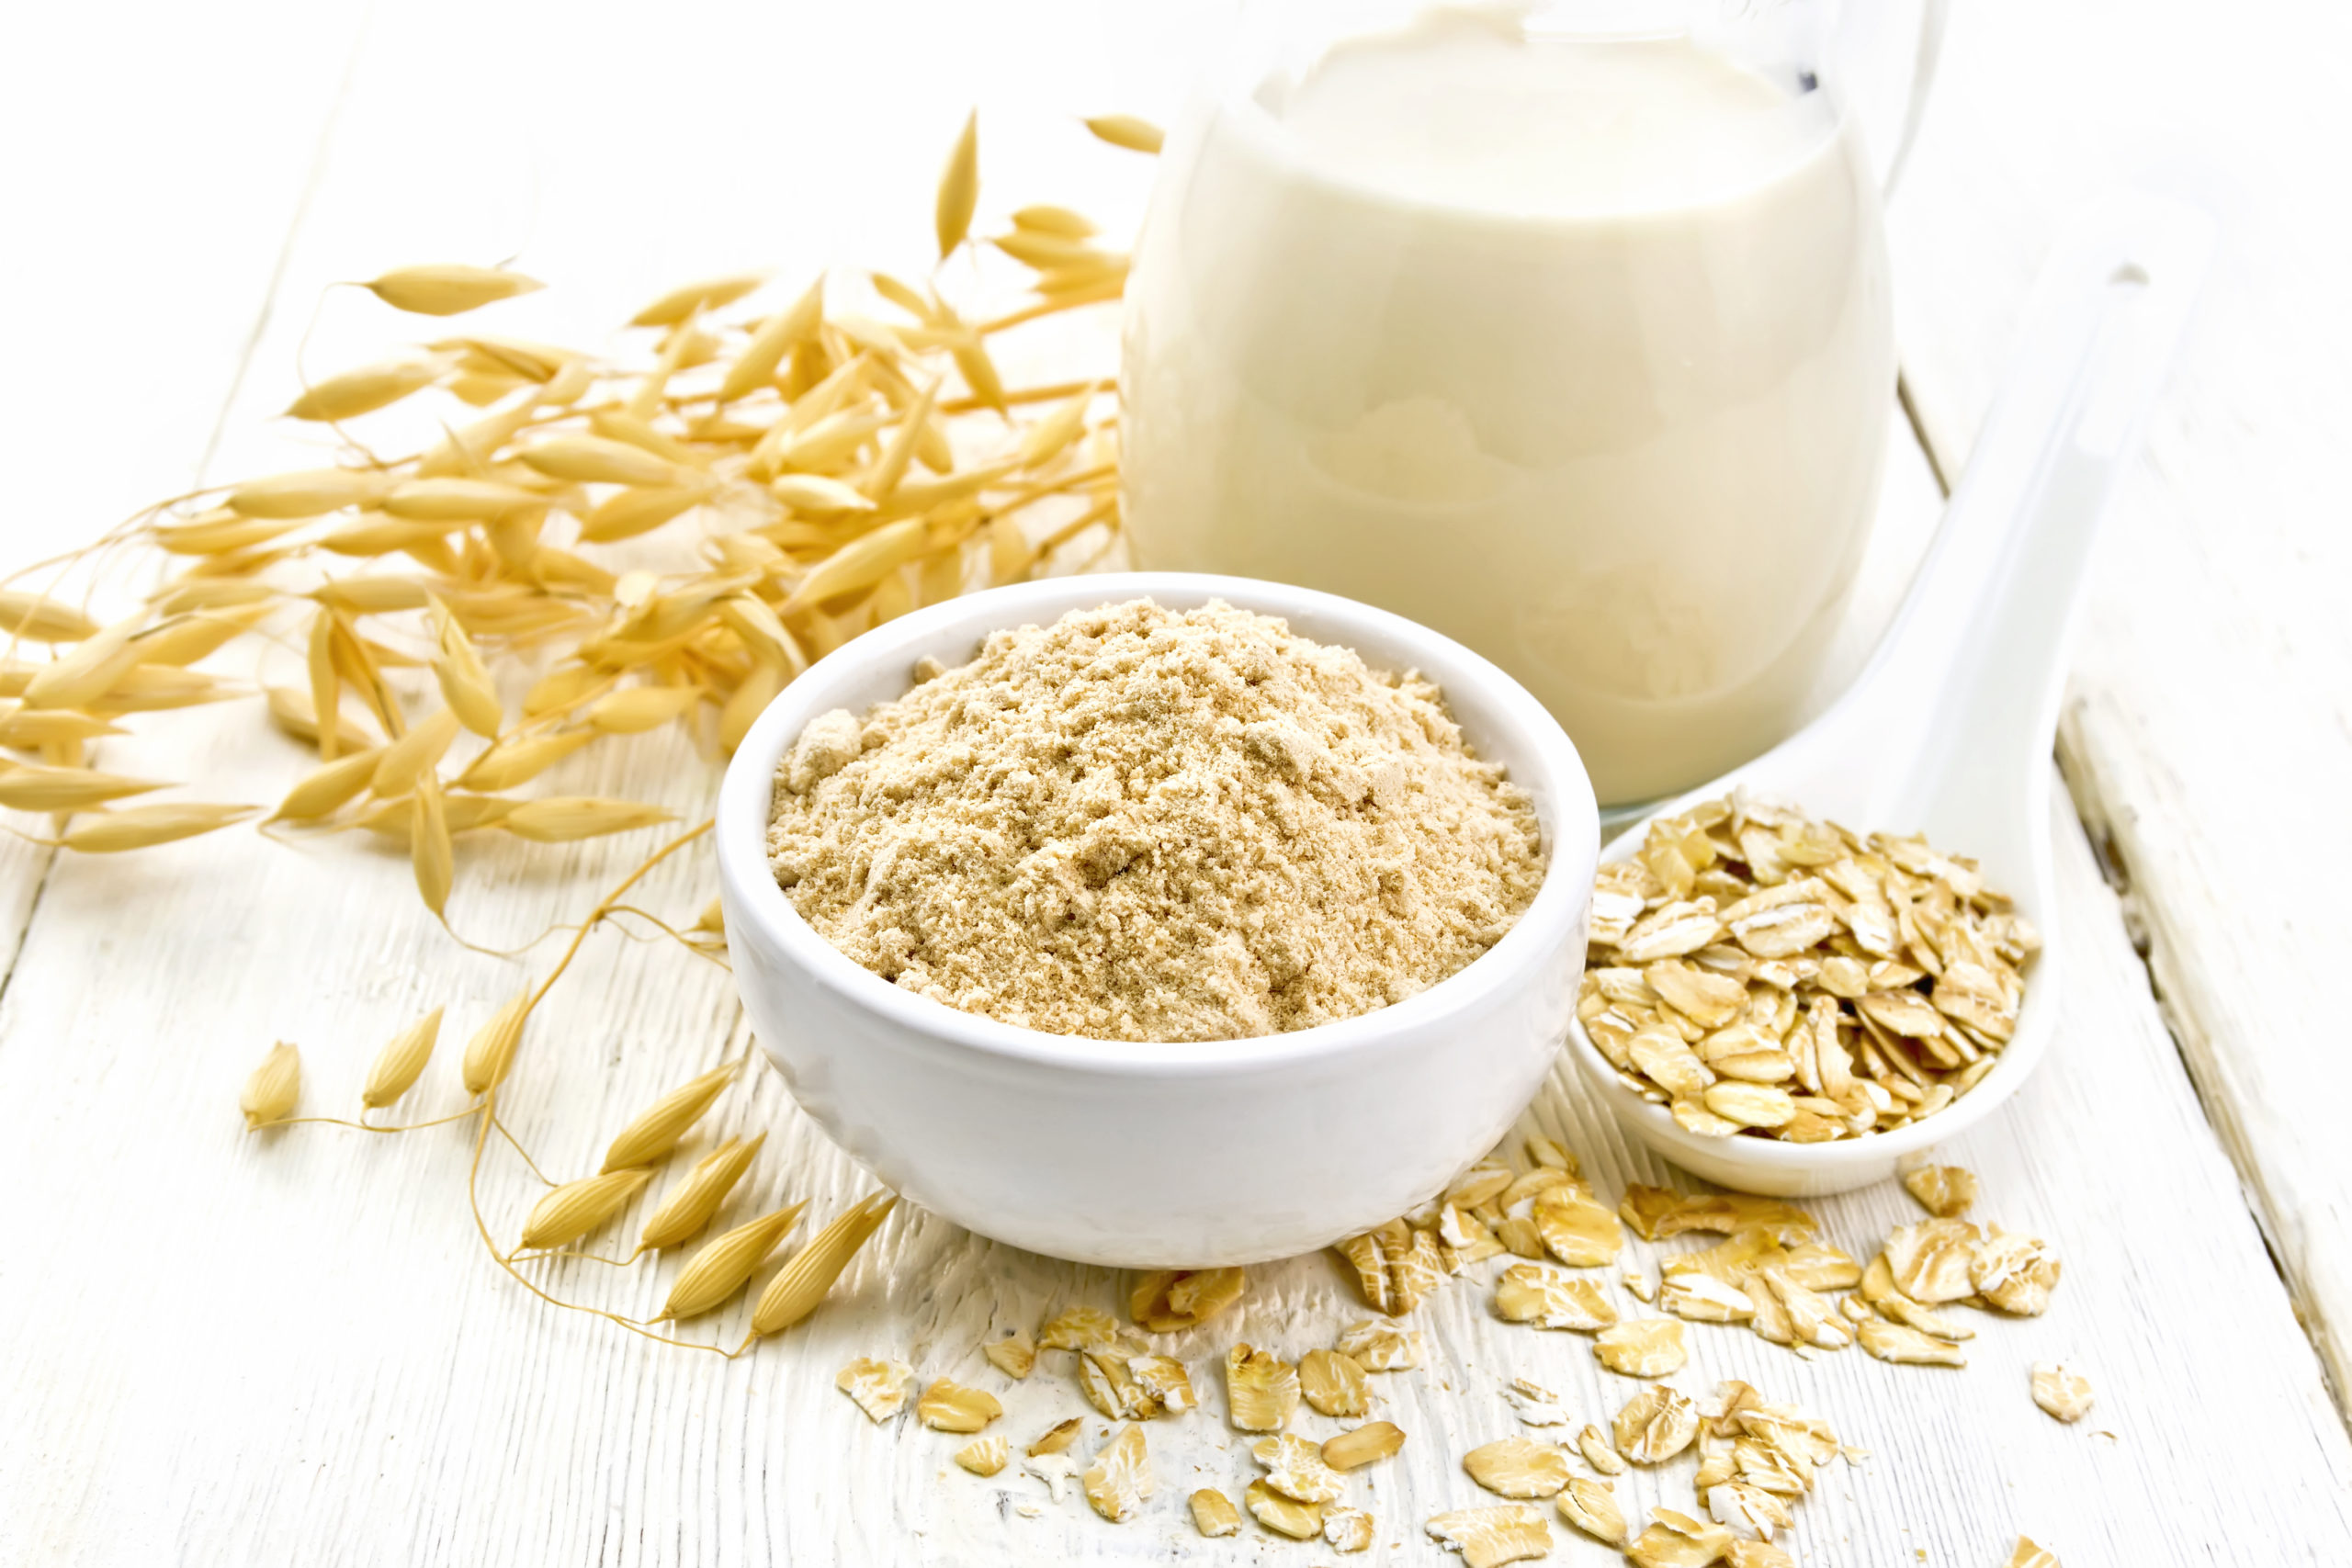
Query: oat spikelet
{"type": "Point", "coordinates": [326, 787]}
{"type": "Point", "coordinates": [448, 290]}
{"type": "Point", "coordinates": [465, 682]}
{"type": "Point", "coordinates": [87, 673]}
{"type": "Point", "coordinates": [959, 187]}
{"type": "Point", "coordinates": [633, 511]}
{"type": "Point", "coordinates": [692, 1203]}
{"type": "Point", "coordinates": [490, 1053]}
{"type": "Point", "coordinates": [710, 294]}
{"type": "Point", "coordinates": [712, 1276]}
{"type": "Point", "coordinates": [596, 460]}
{"type": "Point", "coordinates": [36, 619]}
{"type": "Point", "coordinates": [430, 855]}
{"type": "Point", "coordinates": [793, 1294]}
{"type": "Point", "coordinates": [271, 1092]}
{"type": "Point", "coordinates": [641, 708]}
{"type": "Point", "coordinates": [778, 336]}
{"type": "Point", "coordinates": [27, 788]}
{"type": "Point", "coordinates": [145, 827]}
{"type": "Point", "coordinates": [364, 390]}
{"type": "Point", "coordinates": [656, 1132]}
{"type": "Point", "coordinates": [519, 761]}
{"type": "Point", "coordinates": [560, 818]}
{"type": "Point", "coordinates": [402, 1062]}
{"type": "Point", "coordinates": [407, 760]}
{"type": "Point", "coordinates": [1127, 130]}
{"type": "Point", "coordinates": [313, 492]}
{"type": "Point", "coordinates": [577, 1208]}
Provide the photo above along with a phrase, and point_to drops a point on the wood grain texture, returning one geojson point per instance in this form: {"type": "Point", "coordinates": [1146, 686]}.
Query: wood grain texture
{"type": "Point", "coordinates": [291, 1346]}
{"type": "Point", "coordinates": [2211, 721]}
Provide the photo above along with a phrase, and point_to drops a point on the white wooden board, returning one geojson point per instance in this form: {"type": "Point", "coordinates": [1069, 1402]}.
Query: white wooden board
{"type": "Point", "coordinates": [2208, 740]}
{"type": "Point", "coordinates": [291, 1348]}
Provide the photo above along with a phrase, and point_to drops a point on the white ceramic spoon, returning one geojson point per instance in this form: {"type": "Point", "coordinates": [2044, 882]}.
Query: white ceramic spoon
{"type": "Point", "coordinates": [1949, 729]}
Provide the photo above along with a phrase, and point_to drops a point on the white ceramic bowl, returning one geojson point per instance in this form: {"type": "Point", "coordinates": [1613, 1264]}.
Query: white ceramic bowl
{"type": "Point", "coordinates": [1162, 1156]}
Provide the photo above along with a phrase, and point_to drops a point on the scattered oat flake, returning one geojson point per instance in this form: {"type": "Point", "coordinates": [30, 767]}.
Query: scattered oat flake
{"type": "Point", "coordinates": [1057, 1437]}
{"type": "Point", "coordinates": [1756, 1554]}
{"type": "Point", "coordinates": [1930, 1261]}
{"type": "Point", "coordinates": [1165, 1380]}
{"type": "Point", "coordinates": [2028, 1555]}
{"type": "Point", "coordinates": [1213, 1513]}
{"type": "Point", "coordinates": [1119, 1481]}
{"type": "Point", "coordinates": [1168, 1300]}
{"type": "Point", "coordinates": [1284, 1516]}
{"type": "Point", "coordinates": [1529, 1293]}
{"type": "Point", "coordinates": [2061, 1390]}
{"type": "Point", "coordinates": [1053, 1469]}
{"type": "Point", "coordinates": [1656, 1425]}
{"type": "Point", "coordinates": [1537, 1405]}
{"type": "Point", "coordinates": [1487, 1538]}
{"type": "Point", "coordinates": [1518, 1467]}
{"type": "Point", "coordinates": [1644, 1348]}
{"type": "Point", "coordinates": [1109, 1386]}
{"type": "Point", "coordinates": [1593, 1443]}
{"type": "Point", "coordinates": [1746, 1510]}
{"type": "Point", "coordinates": [1295, 1468]}
{"type": "Point", "coordinates": [1898, 1342]}
{"type": "Point", "coordinates": [984, 1456]}
{"type": "Point", "coordinates": [1080, 1329]}
{"type": "Point", "coordinates": [1944, 1190]}
{"type": "Point", "coordinates": [1261, 1389]}
{"type": "Point", "coordinates": [1015, 1355]}
{"type": "Point", "coordinates": [1677, 1541]}
{"type": "Point", "coordinates": [1347, 1529]}
{"type": "Point", "coordinates": [879, 1387]}
{"type": "Point", "coordinates": [1360, 1446]}
{"type": "Point", "coordinates": [2016, 1273]}
{"type": "Point", "coordinates": [1592, 1506]}
{"type": "Point", "coordinates": [949, 1406]}
{"type": "Point", "coordinates": [1702, 1298]}
{"type": "Point", "coordinates": [1377, 1348]}
{"type": "Point", "coordinates": [1333, 1383]}
{"type": "Point", "coordinates": [1576, 1229]}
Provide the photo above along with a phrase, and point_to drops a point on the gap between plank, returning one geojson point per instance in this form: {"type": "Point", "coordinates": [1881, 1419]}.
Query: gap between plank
{"type": "Point", "coordinates": [2078, 767]}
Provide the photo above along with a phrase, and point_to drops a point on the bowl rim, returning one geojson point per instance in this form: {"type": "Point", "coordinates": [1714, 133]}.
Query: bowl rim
{"type": "Point", "coordinates": [1572, 835]}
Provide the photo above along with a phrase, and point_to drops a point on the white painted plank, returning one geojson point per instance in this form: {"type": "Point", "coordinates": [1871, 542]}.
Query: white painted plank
{"type": "Point", "coordinates": [136, 276]}
{"type": "Point", "coordinates": [291, 1348]}
{"type": "Point", "coordinates": [2213, 683]}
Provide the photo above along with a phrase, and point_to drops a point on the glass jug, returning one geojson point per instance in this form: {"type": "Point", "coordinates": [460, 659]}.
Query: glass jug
{"type": "Point", "coordinates": [1560, 328]}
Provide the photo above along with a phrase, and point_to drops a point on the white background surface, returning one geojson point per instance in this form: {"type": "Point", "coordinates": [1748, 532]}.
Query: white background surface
{"type": "Point", "coordinates": [233, 1349]}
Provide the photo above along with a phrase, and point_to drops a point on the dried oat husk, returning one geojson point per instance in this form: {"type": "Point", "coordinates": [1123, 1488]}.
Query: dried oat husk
{"type": "Point", "coordinates": [1135, 134]}
{"type": "Point", "coordinates": [577, 1208]}
{"type": "Point", "coordinates": [691, 1205]}
{"type": "Point", "coordinates": [145, 827]}
{"type": "Point", "coordinates": [490, 1055]}
{"type": "Point", "coordinates": [801, 1284]}
{"type": "Point", "coordinates": [402, 1062]}
{"type": "Point", "coordinates": [274, 1088]}
{"type": "Point", "coordinates": [656, 1131]}
{"type": "Point", "coordinates": [713, 1276]}
{"type": "Point", "coordinates": [450, 290]}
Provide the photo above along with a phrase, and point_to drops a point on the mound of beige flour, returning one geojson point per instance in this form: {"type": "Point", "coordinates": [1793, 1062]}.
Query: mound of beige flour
{"type": "Point", "coordinates": [1146, 824]}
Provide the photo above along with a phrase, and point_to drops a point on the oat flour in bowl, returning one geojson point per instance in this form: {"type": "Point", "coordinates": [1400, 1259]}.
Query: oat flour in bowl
{"type": "Point", "coordinates": [1146, 824]}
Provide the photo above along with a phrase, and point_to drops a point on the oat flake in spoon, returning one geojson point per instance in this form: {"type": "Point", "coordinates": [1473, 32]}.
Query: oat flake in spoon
{"type": "Point", "coordinates": [1146, 824]}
